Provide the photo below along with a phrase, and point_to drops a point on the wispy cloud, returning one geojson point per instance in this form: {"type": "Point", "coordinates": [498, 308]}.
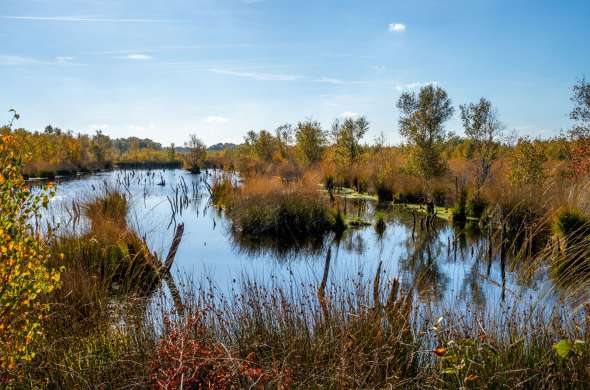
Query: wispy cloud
{"type": "Point", "coordinates": [327, 80]}
{"type": "Point", "coordinates": [256, 75]}
{"type": "Point", "coordinates": [135, 56]}
{"type": "Point", "coordinates": [349, 114]}
{"type": "Point", "coordinates": [81, 19]}
{"type": "Point", "coordinates": [19, 60]}
{"type": "Point", "coordinates": [396, 27]}
{"type": "Point", "coordinates": [11, 60]}
{"type": "Point", "coordinates": [215, 120]}
{"type": "Point", "coordinates": [403, 87]}
{"type": "Point", "coordinates": [63, 59]}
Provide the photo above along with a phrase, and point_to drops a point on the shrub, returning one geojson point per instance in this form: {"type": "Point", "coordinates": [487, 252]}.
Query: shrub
{"type": "Point", "coordinates": [221, 191]}
{"type": "Point", "coordinates": [460, 212]}
{"type": "Point", "coordinates": [475, 206]}
{"type": "Point", "coordinates": [572, 231]}
{"type": "Point", "coordinates": [384, 193]}
{"type": "Point", "coordinates": [25, 274]}
{"type": "Point", "coordinates": [189, 356]}
{"type": "Point", "coordinates": [410, 197]}
{"type": "Point", "coordinates": [571, 224]}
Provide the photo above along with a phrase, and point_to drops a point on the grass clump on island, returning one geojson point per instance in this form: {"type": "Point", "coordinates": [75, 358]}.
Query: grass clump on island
{"type": "Point", "coordinates": [109, 249]}
{"type": "Point", "coordinates": [267, 207]}
{"type": "Point", "coordinates": [571, 258]}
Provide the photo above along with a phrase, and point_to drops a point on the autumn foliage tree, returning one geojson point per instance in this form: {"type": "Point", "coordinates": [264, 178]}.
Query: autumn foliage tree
{"type": "Point", "coordinates": [25, 274]}
{"type": "Point", "coordinates": [527, 161]}
{"type": "Point", "coordinates": [311, 141]}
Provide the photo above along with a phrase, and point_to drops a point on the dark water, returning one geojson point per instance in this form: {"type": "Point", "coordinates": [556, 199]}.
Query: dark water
{"type": "Point", "coordinates": [446, 268]}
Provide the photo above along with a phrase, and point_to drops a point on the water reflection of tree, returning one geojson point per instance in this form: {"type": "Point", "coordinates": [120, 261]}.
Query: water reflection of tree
{"type": "Point", "coordinates": [353, 241]}
{"type": "Point", "coordinates": [472, 286]}
{"type": "Point", "coordinates": [423, 251]}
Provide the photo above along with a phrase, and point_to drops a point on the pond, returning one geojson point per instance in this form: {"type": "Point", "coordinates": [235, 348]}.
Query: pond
{"type": "Point", "coordinates": [447, 269]}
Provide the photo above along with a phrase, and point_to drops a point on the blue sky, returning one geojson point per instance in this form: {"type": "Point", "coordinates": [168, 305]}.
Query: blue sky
{"type": "Point", "coordinates": [218, 68]}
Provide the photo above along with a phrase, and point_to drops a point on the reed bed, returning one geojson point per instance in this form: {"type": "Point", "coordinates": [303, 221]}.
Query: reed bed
{"type": "Point", "coordinates": [108, 331]}
{"type": "Point", "coordinates": [270, 208]}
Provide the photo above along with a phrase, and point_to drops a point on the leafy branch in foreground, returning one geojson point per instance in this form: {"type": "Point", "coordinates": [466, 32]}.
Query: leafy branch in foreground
{"type": "Point", "coordinates": [24, 273]}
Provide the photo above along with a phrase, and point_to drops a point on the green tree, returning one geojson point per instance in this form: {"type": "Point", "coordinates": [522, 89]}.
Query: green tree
{"type": "Point", "coordinates": [100, 146]}
{"type": "Point", "coordinates": [311, 141]}
{"type": "Point", "coordinates": [527, 164]}
{"type": "Point", "coordinates": [580, 133]}
{"type": "Point", "coordinates": [422, 124]}
{"type": "Point", "coordinates": [197, 153]}
{"type": "Point", "coordinates": [172, 152]}
{"type": "Point", "coordinates": [483, 128]}
{"type": "Point", "coordinates": [347, 135]}
{"type": "Point", "coordinates": [262, 144]}
{"type": "Point", "coordinates": [284, 138]}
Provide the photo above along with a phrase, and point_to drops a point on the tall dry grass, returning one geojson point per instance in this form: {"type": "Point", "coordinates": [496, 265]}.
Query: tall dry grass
{"type": "Point", "coordinates": [270, 208]}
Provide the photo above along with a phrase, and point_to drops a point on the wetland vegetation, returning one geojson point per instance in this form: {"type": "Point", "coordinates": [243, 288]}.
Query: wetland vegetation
{"type": "Point", "coordinates": [301, 258]}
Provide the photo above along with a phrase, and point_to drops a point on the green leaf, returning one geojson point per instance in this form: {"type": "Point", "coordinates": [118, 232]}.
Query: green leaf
{"type": "Point", "coordinates": [563, 349]}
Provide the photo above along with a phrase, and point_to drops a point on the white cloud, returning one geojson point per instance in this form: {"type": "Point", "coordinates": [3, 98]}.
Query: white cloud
{"type": "Point", "coordinates": [79, 19]}
{"type": "Point", "coordinates": [212, 119]}
{"type": "Point", "coordinates": [135, 56]}
{"type": "Point", "coordinates": [9, 60]}
{"type": "Point", "coordinates": [327, 80]}
{"type": "Point", "coordinates": [403, 87]}
{"type": "Point", "coordinates": [63, 59]}
{"type": "Point", "coordinates": [349, 114]}
{"type": "Point", "coordinates": [397, 27]}
{"type": "Point", "coordinates": [256, 75]}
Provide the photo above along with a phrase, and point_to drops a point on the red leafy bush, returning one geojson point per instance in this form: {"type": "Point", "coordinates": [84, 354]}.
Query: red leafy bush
{"type": "Point", "coordinates": [187, 356]}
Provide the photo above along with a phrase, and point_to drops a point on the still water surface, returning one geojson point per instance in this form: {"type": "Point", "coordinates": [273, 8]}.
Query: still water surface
{"type": "Point", "coordinates": [446, 268]}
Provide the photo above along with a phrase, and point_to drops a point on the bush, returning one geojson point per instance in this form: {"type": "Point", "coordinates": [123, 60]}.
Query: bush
{"type": "Point", "coordinates": [411, 197]}
{"type": "Point", "coordinates": [25, 273]}
{"type": "Point", "coordinates": [460, 212]}
{"type": "Point", "coordinates": [475, 206]}
{"type": "Point", "coordinates": [221, 191]}
{"type": "Point", "coordinates": [188, 356]}
{"type": "Point", "coordinates": [572, 231]}
{"type": "Point", "coordinates": [571, 224]}
{"type": "Point", "coordinates": [384, 193]}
